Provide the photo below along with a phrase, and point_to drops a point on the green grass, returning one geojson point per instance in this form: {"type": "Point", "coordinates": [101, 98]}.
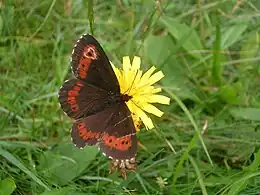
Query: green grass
{"type": "Point", "coordinates": [209, 52]}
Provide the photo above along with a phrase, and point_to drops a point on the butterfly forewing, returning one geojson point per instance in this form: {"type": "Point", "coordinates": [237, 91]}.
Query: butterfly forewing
{"type": "Point", "coordinates": [90, 63]}
{"type": "Point", "coordinates": [79, 99]}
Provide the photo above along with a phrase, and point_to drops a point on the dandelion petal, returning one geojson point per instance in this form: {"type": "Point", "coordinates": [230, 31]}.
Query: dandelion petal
{"type": "Point", "coordinates": [146, 120]}
{"type": "Point", "coordinates": [152, 109]}
{"type": "Point", "coordinates": [126, 64]}
{"type": "Point", "coordinates": [147, 75]}
{"type": "Point", "coordinates": [136, 63]}
{"type": "Point", "coordinates": [156, 77]}
{"type": "Point", "coordinates": [158, 99]}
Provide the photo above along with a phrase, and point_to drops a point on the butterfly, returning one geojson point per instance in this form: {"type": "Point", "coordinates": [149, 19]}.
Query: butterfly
{"type": "Point", "coordinates": [94, 101]}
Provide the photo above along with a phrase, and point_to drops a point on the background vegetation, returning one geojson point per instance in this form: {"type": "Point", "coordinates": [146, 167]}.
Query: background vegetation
{"type": "Point", "coordinates": [208, 140]}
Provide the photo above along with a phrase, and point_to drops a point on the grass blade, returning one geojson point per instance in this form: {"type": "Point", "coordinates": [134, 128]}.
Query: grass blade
{"type": "Point", "coordinates": [197, 170]}
{"type": "Point", "coordinates": [44, 21]}
{"type": "Point", "coordinates": [8, 156]}
{"type": "Point", "coordinates": [91, 16]}
{"type": "Point", "coordinates": [192, 143]}
{"type": "Point", "coordinates": [216, 66]}
{"type": "Point", "coordinates": [142, 183]}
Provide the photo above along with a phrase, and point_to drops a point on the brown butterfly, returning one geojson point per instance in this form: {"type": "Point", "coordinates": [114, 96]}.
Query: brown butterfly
{"type": "Point", "coordinates": [94, 100]}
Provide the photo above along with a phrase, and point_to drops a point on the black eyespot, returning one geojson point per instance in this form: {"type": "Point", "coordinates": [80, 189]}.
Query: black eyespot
{"type": "Point", "coordinates": [110, 140]}
{"type": "Point", "coordinates": [123, 142]}
{"type": "Point", "coordinates": [126, 142]}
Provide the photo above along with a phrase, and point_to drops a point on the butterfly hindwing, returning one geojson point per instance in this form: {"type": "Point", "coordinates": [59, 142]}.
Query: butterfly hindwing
{"type": "Point", "coordinates": [120, 141]}
{"type": "Point", "coordinates": [82, 136]}
{"type": "Point", "coordinates": [79, 99]}
{"type": "Point", "coordinates": [112, 129]}
{"type": "Point", "coordinates": [90, 63]}
{"type": "Point", "coordinates": [90, 129]}
{"type": "Point", "coordinates": [126, 148]}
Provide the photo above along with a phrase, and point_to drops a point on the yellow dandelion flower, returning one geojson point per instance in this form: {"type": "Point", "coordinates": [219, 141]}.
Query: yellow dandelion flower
{"type": "Point", "coordinates": [139, 86]}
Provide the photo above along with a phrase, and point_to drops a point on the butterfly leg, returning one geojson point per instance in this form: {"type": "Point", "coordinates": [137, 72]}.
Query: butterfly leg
{"type": "Point", "coordinates": [123, 166]}
{"type": "Point", "coordinates": [131, 165]}
{"type": "Point", "coordinates": [123, 173]}
{"type": "Point", "coordinates": [115, 164]}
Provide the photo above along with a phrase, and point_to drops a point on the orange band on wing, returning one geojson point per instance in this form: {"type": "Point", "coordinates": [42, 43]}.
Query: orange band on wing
{"type": "Point", "coordinates": [122, 143]}
{"type": "Point", "coordinates": [72, 94]}
{"type": "Point", "coordinates": [85, 134]}
{"type": "Point", "coordinates": [90, 53]}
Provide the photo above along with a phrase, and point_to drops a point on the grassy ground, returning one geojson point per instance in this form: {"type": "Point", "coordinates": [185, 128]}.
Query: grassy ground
{"type": "Point", "coordinates": [208, 140]}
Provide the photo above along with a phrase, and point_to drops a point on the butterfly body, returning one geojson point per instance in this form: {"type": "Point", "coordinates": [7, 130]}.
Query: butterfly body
{"type": "Point", "coordinates": [94, 100]}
